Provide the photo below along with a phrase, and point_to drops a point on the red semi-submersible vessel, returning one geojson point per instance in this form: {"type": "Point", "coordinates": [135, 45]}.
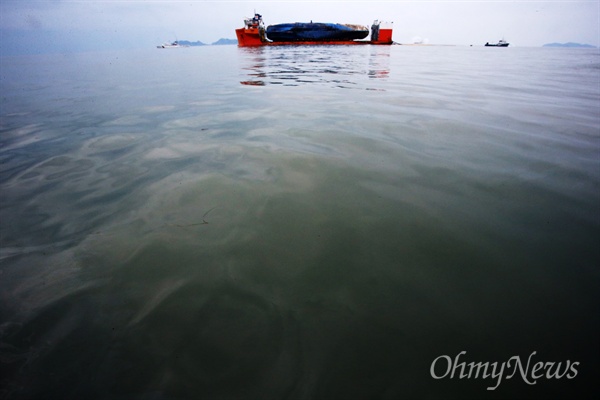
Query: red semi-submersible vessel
{"type": "Point", "coordinates": [308, 33]}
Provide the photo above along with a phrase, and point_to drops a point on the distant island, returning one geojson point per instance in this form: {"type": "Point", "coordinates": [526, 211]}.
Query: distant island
{"type": "Point", "coordinates": [570, 44]}
{"type": "Point", "coordinates": [225, 41]}
{"type": "Point", "coordinates": [188, 43]}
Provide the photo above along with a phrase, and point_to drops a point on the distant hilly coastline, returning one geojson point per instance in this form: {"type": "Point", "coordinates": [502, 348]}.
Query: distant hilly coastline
{"type": "Point", "coordinates": [188, 43]}
{"type": "Point", "coordinates": [225, 41]}
{"type": "Point", "coordinates": [570, 44]}
{"type": "Point", "coordinates": [199, 43]}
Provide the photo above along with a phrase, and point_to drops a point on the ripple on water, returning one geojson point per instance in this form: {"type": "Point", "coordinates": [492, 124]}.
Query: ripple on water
{"type": "Point", "coordinates": [65, 167]}
{"type": "Point", "coordinates": [112, 142]}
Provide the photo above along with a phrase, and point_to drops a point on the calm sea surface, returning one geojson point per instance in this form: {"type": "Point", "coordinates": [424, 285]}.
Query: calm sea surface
{"type": "Point", "coordinates": [298, 222]}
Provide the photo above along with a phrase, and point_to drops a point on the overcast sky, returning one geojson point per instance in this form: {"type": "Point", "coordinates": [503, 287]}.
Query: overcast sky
{"type": "Point", "coordinates": [67, 25]}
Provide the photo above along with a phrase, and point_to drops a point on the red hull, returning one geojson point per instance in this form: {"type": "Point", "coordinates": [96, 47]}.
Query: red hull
{"type": "Point", "coordinates": [249, 37]}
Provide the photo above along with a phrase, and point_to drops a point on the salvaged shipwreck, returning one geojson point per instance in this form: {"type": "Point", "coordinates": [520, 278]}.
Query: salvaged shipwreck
{"type": "Point", "coordinates": [254, 33]}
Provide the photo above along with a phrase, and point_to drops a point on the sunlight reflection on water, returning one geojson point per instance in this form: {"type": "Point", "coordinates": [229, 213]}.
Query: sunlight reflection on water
{"type": "Point", "coordinates": [338, 66]}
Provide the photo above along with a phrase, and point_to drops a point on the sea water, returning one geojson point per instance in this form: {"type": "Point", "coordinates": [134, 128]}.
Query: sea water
{"type": "Point", "coordinates": [298, 222]}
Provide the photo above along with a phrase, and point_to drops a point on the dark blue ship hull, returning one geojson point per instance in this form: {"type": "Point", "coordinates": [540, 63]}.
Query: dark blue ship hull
{"type": "Point", "coordinates": [315, 32]}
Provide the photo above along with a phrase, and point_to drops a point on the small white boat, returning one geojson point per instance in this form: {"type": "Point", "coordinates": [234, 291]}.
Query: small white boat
{"type": "Point", "coordinates": [173, 45]}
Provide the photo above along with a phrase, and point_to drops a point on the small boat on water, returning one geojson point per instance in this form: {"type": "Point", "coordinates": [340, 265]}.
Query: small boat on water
{"type": "Point", "coordinates": [501, 43]}
{"type": "Point", "coordinates": [173, 45]}
{"type": "Point", "coordinates": [254, 33]}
